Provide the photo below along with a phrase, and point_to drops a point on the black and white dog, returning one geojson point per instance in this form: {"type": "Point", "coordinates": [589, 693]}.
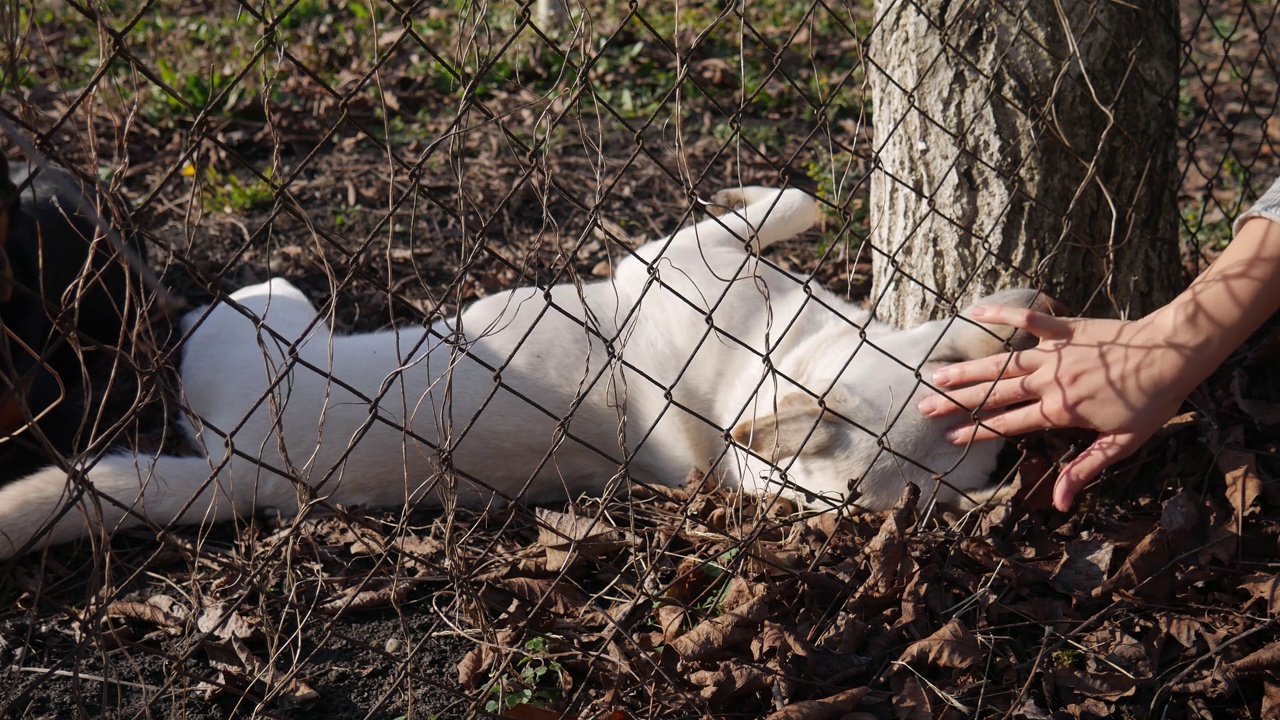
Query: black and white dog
{"type": "Point", "coordinates": [694, 355]}
{"type": "Point", "coordinates": [62, 289]}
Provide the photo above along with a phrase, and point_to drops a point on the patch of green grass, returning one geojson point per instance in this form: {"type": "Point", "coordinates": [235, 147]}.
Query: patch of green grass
{"type": "Point", "coordinates": [1067, 658]}
{"type": "Point", "coordinates": [830, 173]}
{"type": "Point", "coordinates": [1214, 235]}
{"type": "Point", "coordinates": [536, 679]}
{"type": "Point", "coordinates": [228, 193]}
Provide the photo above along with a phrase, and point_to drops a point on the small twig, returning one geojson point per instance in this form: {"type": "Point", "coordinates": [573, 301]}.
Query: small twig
{"type": "Point", "coordinates": [85, 676]}
{"type": "Point", "coordinates": [946, 697]}
{"type": "Point", "coordinates": [1035, 667]}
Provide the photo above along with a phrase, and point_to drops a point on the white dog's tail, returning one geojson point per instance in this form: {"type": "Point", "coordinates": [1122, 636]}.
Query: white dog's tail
{"type": "Point", "coordinates": [121, 490]}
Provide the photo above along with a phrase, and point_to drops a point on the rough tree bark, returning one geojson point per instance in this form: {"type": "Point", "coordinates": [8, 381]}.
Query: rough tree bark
{"type": "Point", "coordinates": [1024, 142]}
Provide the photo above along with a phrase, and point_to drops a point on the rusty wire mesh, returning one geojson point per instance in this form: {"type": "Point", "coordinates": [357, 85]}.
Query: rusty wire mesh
{"type": "Point", "coordinates": [398, 161]}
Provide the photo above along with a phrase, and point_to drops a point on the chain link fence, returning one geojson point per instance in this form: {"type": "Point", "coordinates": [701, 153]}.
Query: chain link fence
{"type": "Point", "coordinates": [397, 162]}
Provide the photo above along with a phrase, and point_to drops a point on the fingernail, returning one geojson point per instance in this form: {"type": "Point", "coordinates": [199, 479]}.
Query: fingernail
{"type": "Point", "coordinates": [943, 376]}
{"type": "Point", "coordinates": [979, 312]}
{"type": "Point", "coordinates": [1062, 495]}
{"type": "Point", "coordinates": [955, 434]}
{"type": "Point", "coordinates": [929, 405]}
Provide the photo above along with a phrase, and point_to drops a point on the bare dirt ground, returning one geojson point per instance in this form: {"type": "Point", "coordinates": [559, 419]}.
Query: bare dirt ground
{"type": "Point", "coordinates": [344, 158]}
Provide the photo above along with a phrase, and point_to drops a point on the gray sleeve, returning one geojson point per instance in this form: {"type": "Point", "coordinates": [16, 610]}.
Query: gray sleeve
{"type": "Point", "coordinates": [1268, 206]}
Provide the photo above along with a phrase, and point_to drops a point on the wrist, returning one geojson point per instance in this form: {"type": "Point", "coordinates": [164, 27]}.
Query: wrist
{"type": "Point", "coordinates": [1189, 340]}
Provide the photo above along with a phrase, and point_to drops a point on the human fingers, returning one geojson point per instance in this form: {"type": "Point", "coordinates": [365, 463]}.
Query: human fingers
{"type": "Point", "coordinates": [1045, 327]}
{"type": "Point", "coordinates": [1103, 453]}
{"type": "Point", "coordinates": [1018, 421]}
{"type": "Point", "coordinates": [1006, 365]}
{"type": "Point", "coordinates": [988, 396]}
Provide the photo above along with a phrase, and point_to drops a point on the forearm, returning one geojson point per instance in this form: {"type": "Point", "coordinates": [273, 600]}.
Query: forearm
{"type": "Point", "coordinates": [1230, 300]}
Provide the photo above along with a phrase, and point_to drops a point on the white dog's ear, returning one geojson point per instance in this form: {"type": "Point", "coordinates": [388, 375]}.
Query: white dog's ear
{"type": "Point", "coordinates": [798, 425]}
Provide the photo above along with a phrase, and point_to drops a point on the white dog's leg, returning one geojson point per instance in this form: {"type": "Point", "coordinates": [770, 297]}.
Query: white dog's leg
{"type": "Point", "coordinates": [771, 217]}
{"type": "Point", "coordinates": [129, 487]}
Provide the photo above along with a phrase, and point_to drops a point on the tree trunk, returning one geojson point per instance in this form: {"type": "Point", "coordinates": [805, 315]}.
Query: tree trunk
{"type": "Point", "coordinates": [1018, 146]}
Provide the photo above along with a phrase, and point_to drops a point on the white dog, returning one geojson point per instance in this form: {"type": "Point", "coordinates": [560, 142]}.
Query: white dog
{"type": "Point", "coordinates": [695, 355]}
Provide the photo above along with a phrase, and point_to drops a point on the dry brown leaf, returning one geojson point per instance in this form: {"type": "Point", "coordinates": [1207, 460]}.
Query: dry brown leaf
{"type": "Point", "coordinates": [1147, 572]}
{"type": "Point", "coordinates": [1223, 537]}
{"type": "Point", "coordinates": [1180, 516]}
{"type": "Point", "coordinates": [983, 552]}
{"type": "Point", "coordinates": [1028, 709]}
{"type": "Point", "coordinates": [725, 630]}
{"type": "Point", "coordinates": [910, 701]}
{"type": "Point", "coordinates": [555, 597]}
{"type": "Point", "coordinates": [1198, 707]}
{"type": "Point", "coordinates": [424, 547]}
{"type": "Point", "coordinates": [1120, 649]}
{"type": "Point", "coordinates": [1265, 588]}
{"type": "Point", "coordinates": [416, 549]}
{"type": "Point", "coordinates": [137, 611]}
{"type": "Point", "coordinates": [1270, 700]}
{"type": "Point", "coordinates": [740, 592]}
{"type": "Point", "coordinates": [329, 529]}
{"type": "Point", "coordinates": [999, 516]}
{"type": "Point", "coordinates": [731, 678]}
{"type": "Point", "coordinates": [1178, 423]}
{"type": "Point", "coordinates": [1090, 708]}
{"type": "Point", "coordinates": [777, 561]}
{"type": "Point", "coordinates": [1179, 627]}
{"type": "Point", "coordinates": [620, 612]}
{"type": "Point", "coordinates": [562, 535]}
{"type": "Point", "coordinates": [1266, 659]}
{"type": "Point", "coordinates": [886, 555]}
{"type": "Point", "coordinates": [1244, 486]}
{"type": "Point", "coordinates": [476, 661]}
{"type": "Point", "coordinates": [1098, 685]}
{"type": "Point", "coordinates": [826, 525]}
{"type": "Point", "coordinates": [845, 635]}
{"type": "Point", "coordinates": [1212, 684]}
{"type": "Point", "coordinates": [364, 596]}
{"type": "Point", "coordinates": [951, 646]}
{"type": "Point", "coordinates": [1084, 565]}
{"type": "Point", "coordinates": [297, 693]}
{"type": "Point", "coordinates": [780, 642]}
{"type": "Point", "coordinates": [829, 707]}
{"type": "Point", "coordinates": [224, 623]}
{"type": "Point", "coordinates": [160, 610]}
{"type": "Point", "coordinates": [239, 667]}
{"type": "Point", "coordinates": [1033, 481]}
{"type": "Point", "coordinates": [671, 620]}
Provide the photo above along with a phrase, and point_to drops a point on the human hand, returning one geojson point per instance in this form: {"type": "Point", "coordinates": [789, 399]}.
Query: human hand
{"type": "Point", "coordinates": [1124, 379]}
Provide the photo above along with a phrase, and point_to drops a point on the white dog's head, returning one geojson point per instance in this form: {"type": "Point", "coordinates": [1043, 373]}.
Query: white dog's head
{"type": "Point", "coordinates": [861, 437]}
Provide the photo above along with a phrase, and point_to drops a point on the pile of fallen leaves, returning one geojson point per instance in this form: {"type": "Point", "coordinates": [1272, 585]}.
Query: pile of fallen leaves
{"type": "Point", "coordinates": [728, 607]}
